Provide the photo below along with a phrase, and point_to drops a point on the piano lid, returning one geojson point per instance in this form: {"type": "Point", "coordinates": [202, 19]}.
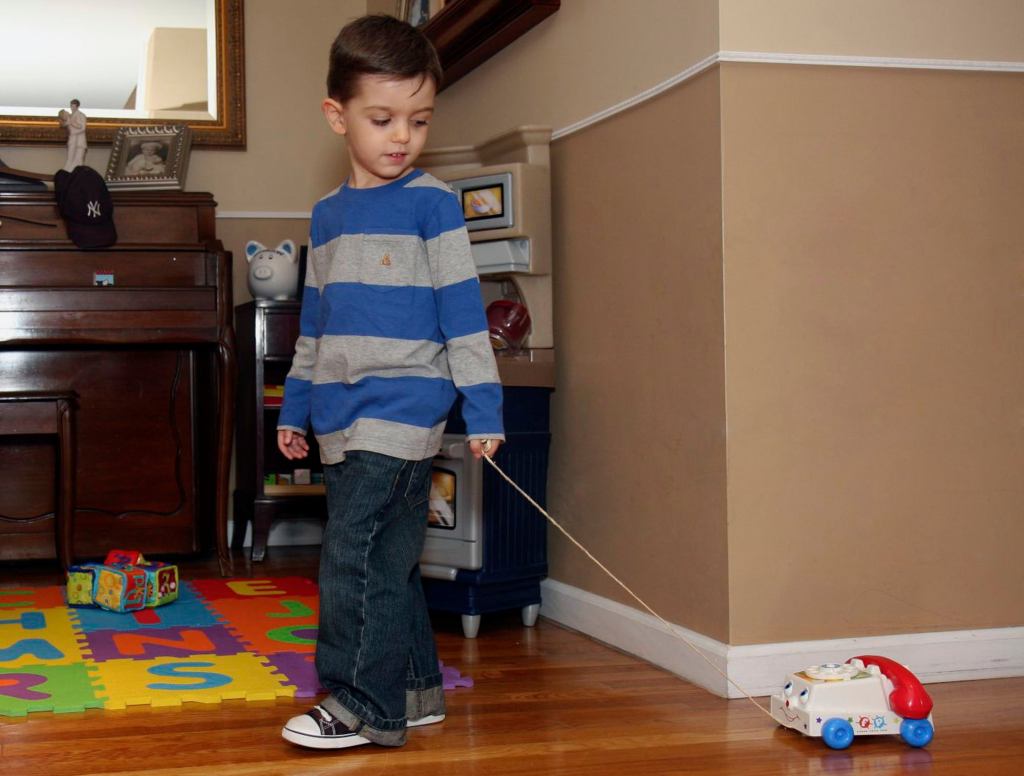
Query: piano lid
{"type": "Point", "coordinates": [143, 219]}
{"type": "Point", "coordinates": [21, 180]}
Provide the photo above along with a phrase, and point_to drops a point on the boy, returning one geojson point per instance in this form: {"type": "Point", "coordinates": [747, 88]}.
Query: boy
{"type": "Point", "coordinates": [392, 325]}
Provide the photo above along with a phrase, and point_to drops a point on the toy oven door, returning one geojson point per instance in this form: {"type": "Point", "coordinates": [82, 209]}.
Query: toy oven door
{"type": "Point", "coordinates": [455, 512]}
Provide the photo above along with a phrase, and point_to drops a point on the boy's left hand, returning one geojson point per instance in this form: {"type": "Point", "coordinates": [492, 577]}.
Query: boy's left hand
{"type": "Point", "coordinates": [481, 447]}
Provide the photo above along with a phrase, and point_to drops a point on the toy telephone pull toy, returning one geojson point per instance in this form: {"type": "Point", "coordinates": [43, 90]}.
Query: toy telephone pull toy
{"type": "Point", "coordinates": [867, 695]}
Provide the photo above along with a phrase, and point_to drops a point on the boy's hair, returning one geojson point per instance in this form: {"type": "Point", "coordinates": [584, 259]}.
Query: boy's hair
{"type": "Point", "coordinates": [379, 45]}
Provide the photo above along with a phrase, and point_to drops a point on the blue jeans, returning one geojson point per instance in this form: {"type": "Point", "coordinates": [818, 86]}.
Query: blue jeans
{"type": "Point", "coordinates": [375, 650]}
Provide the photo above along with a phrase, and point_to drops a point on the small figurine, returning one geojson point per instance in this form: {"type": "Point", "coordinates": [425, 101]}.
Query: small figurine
{"type": "Point", "coordinates": [74, 122]}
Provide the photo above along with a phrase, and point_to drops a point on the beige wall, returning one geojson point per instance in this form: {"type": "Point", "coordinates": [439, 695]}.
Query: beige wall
{"type": "Point", "coordinates": [175, 70]}
{"type": "Point", "coordinates": [988, 30]}
{"type": "Point", "coordinates": [638, 457]}
{"type": "Point", "coordinates": [638, 452]}
{"type": "Point", "coordinates": [874, 324]}
{"type": "Point", "coordinates": [588, 56]}
{"type": "Point", "coordinates": [870, 379]}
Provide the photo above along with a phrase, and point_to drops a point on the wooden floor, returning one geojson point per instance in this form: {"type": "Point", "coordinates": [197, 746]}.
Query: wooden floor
{"type": "Point", "coordinates": [546, 701]}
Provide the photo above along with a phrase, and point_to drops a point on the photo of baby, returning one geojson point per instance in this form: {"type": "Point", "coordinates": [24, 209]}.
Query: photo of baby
{"type": "Point", "coordinates": [147, 157]}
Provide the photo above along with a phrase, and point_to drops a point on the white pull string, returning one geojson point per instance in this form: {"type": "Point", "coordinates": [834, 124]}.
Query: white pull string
{"type": "Point", "coordinates": [620, 583]}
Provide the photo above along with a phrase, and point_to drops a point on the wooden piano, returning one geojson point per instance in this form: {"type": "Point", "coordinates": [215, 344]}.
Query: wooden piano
{"type": "Point", "coordinates": [142, 332]}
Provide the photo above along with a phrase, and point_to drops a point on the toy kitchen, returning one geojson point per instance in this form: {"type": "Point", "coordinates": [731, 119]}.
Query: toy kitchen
{"type": "Point", "coordinates": [486, 546]}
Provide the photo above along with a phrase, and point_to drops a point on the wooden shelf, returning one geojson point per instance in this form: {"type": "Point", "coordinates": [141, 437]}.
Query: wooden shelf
{"type": "Point", "coordinates": [294, 490]}
{"type": "Point", "coordinates": [466, 33]}
{"type": "Point", "coordinates": [267, 330]}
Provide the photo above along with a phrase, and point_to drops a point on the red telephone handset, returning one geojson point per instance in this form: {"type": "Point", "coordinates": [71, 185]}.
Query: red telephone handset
{"type": "Point", "coordinates": [908, 697]}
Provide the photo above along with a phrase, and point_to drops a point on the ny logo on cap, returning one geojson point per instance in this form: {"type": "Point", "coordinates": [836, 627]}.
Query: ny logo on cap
{"type": "Point", "coordinates": [94, 209]}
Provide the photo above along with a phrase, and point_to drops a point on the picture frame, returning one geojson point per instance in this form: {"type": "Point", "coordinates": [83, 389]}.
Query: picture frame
{"type": "Point", "coordinates": [418, 12]}
{"type": "Point", "coordinates": [149, 158]}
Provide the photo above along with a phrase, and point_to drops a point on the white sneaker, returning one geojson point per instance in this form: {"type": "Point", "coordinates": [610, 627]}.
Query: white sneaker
{"type": "Point", "coordinates": [430, 719]}
{"type": "Point", "coordinates": [317, 729]}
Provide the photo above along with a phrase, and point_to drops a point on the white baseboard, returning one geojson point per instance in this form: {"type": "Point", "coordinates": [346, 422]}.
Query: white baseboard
{"type": "Point", "coordinates": [293, 532]}
{"type": "Point", "coordinates": [759, 669]}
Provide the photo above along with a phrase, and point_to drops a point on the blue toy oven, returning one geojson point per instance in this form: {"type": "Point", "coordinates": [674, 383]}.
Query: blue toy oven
{"type": "Point", "coordinates": [486, 546]}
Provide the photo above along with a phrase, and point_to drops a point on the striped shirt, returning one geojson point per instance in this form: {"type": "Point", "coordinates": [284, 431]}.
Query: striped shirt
{"type": "Point", "coordinates": [392, 325]}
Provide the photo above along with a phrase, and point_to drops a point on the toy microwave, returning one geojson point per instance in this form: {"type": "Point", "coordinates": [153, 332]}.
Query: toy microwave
{"type": "Point", "coordinates": [507, 208]}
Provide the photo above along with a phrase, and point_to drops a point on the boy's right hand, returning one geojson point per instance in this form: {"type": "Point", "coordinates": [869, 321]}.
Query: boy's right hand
{"type": "Point", "coordinates": [291, 444]}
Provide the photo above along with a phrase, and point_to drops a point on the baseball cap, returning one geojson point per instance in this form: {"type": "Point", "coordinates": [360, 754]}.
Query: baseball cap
{"type": "Point", "coordinates": [86, 207]}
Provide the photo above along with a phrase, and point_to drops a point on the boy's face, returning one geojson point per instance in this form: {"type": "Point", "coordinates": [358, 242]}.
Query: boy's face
{"type": "Point", "coordinates": [385, 124]}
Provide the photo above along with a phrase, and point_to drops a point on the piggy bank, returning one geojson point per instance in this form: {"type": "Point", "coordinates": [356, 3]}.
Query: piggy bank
{"type": "Point", "coordinates": [273, 272]}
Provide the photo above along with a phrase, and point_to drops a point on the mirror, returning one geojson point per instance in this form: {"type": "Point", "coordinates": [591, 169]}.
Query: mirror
{"type": "Point", "coordinates": [129, 63]}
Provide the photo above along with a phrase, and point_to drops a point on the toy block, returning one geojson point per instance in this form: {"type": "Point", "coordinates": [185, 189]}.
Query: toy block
{"type": "Point", "coordinates": [161, 583]}
{"type": "Point", "coordinates": [124, 558]}
{"type": "Point", "coordinates": [81, 582]}
{"type": "Point", "coordinates": [120, 588]}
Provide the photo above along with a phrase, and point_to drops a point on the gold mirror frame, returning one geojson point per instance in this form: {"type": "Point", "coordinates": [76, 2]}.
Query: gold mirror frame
{"type": "Point", "coordinates": [228, 129]}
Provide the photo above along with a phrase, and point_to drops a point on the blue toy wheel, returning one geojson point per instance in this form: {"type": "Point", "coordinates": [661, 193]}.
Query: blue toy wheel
{"type": "Point", "coordinates": [916, 732]}
{"type": "Point", "coordinates": [837, 733]}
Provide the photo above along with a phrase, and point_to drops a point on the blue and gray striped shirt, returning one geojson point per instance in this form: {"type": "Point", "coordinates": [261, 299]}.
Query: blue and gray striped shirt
{"type": "Point", "coordinates": [392, 325]}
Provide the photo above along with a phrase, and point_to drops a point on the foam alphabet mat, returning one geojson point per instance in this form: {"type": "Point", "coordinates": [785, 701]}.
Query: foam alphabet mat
{"type": "Point", "coordinates": [252, 639]}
